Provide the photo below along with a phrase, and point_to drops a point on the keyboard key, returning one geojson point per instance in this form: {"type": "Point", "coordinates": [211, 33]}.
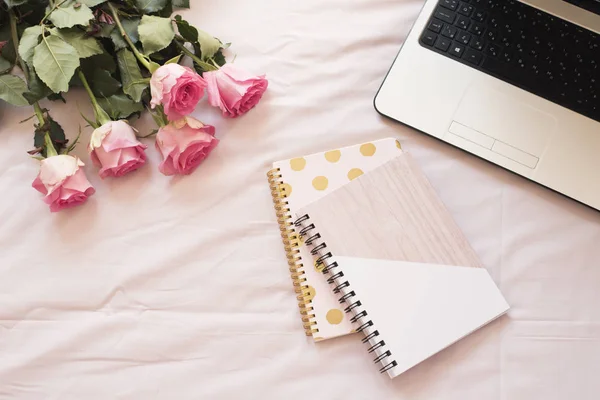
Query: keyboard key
{"type": "Point", "coordinates": [476, 43]}
{"type": "Point", "coordinates": [494, 23]}
{"type": "Point", "coordinates": [465, 9]}
{"type": "Point", "coordinates": [445, 15]}
{"type": "Point", "coordinates": [449, 4]}
{"type": "Point", "coordinates": [457, 49]}
{"type": "Point", "coordinates": [491, 35]}
{"type": "Point", "coordinates": [463, 38]}
{"type": "Point", "coordinates": [477, 29]}
{"type": "Point", "coordinates": [435, 26]}
{"type": "Point", "coordinates": [479, 16]}
{"type": "Point", "coordinates": [449, 31]}
{"type": "Point", "coordinates": [492, 50]}
{"type": "Point", "coordinates": [443, 43]}
{"type": "Point", "coordinates": [473, 56]}
{"type": "Point", "coordinates": [428, 38]}
{"type": "Point", "coordinates": [507, 56]}
{"type": "Point", "coordinates": [463, 22]}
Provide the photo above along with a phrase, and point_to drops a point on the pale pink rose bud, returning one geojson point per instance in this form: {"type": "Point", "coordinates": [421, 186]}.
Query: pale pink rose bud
{"type": "Point", "coordinates": [184, 144]}
{"type": "Point", "coordinates": [234, 90]}
{"type": "Point", "coordinates": [178, 89]}
{"type": "Point", "coordinates": [63, 182]}
{"type": "Point", "coordinates": [114, 148]}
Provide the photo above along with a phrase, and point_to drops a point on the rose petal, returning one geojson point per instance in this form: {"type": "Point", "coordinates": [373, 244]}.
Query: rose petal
{"type": "Point", "coordinates": [184, 147]}
{"type": "Point", "coordinates": [234, 90]}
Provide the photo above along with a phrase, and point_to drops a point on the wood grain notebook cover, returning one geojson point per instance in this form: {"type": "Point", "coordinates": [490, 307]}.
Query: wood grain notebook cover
{"type": "Point", "coordinates": [399, 264]}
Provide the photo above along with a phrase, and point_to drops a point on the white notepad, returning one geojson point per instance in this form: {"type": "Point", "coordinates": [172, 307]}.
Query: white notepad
{"type": "Point", "coordinates": [400, 264]}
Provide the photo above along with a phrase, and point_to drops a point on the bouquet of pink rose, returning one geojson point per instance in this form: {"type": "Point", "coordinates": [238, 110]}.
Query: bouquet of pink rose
{"type": "Point", "coordinates": [126, 55]}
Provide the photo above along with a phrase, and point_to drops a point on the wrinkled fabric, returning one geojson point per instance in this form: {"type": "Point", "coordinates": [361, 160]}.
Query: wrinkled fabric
{"type": "Point", "coordinates": [179, 288]}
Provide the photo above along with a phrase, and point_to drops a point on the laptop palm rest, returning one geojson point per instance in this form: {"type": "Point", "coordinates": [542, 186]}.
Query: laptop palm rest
{"type": "Point", "coordinates": [493, 120]}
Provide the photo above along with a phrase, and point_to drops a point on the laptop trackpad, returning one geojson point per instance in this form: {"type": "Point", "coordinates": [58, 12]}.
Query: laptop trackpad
{"type": "Point", "coordinates": [510, 127]}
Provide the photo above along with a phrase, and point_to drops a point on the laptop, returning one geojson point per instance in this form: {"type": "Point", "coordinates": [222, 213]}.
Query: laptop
{"type": "Point", "coordinates": [514, 82]}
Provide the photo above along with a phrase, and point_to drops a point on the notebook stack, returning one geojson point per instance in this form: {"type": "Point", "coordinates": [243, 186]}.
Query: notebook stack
{"type": "Point", "coordinates": [372, 249]}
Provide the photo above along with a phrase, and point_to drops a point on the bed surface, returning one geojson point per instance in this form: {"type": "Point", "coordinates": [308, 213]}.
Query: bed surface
{"type": "Point", "coordinates": [178, 288]}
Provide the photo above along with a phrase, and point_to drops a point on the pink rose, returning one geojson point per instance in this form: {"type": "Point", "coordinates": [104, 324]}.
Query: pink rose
{"type": "Point", "coordinates": [115, 149]}
{"type": "Point", "coordinates": [178, 89]}
{"type": "Point", "coordinates": [63, 182]}
{"type": "Point", "coordinates": [234, 90]}
{"type": "Point", "coordinates": [184, 144]}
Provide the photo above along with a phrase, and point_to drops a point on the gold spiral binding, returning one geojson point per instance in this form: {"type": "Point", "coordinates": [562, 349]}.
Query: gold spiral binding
{"type": "Point", "coordinates": [291, 241]}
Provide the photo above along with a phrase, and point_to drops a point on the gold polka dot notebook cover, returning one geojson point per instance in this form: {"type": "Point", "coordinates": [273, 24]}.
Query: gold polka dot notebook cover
{"type": "Point", "coordinates": [298, 182]}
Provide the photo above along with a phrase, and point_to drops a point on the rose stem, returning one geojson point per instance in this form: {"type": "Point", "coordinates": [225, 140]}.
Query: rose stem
{"type": "Point", "coordinates": [205, 66]}
{"type": "Point", "coordinates": [101, 115]}
{"type": "Point", "coordinates": [141, 58]}
{"type": "Point", "coordinates": [15, 39]}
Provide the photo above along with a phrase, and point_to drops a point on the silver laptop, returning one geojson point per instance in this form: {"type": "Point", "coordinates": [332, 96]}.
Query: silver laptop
{"type": "Point", "coordinates": [514, 82]}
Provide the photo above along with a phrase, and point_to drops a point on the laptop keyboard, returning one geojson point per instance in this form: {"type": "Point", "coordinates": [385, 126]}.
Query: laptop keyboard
{"type": "Point", "coordinates": [523, 46]}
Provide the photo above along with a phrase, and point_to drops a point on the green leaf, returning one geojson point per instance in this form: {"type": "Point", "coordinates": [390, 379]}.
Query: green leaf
{"type": "Point", "coordinates": [219, 58]}
{"type": "Point", "coordinates": [37, 89]}
{"type": "Point", "coordinates": [130, 74]}
{"type": "Point", "coordinates": [31, 12]}
{"type": "Point", "coordinates": [120, 106]}
{"type": "Point", "coordinates": [85, 45]}
{"type": "Point", "coordinates": [71, 13]}
{"type": "Point", "coordinates": [57, 137]}
{"type": "Point", "coordinates": [5, 65]}
{"type": "Point", "coordinates": [166, 11]}
{"type": "Point", "coordinates": [8, 51]}
{"type": "Point", "coordinates": [38, 139]}
{"type": "Point", "coordinates": [11, 90]}
{"type": "Point", "coordinates": [150, 6]}
{"type": "Point", "coordinates": [131, 28]}
{"type": "Point", "coordinates": [153, 66]}
{"type": "Point", "coordinates": [92, 3]}
{"type": "Point", "coordinates": [156, 33]}
{"type": "Point", "coordinates": [14, 3]}
{"type": "Point", "coordinates": [56, 97]}
{"type": "Point", "coordinates": [105, 30]}
{"type": "Point", "coordinates": [103, 84]}
{"type": "Point", "coordinates": [208, 44]}
{"type": "Point", "coordinates": [55, 62]}
{"type": "Point", "coordinates": [102, 61]}
{"type": "Point", "coordinates": [28, 41]}
{"type": "Point", "coordinates": [57, 134]}
{"type": "Point", "coordinates": [174, 60]}
{"type": "Point", "coordinates": [181, 3]}
{"type": "Point", "coordinates": [187, 31]}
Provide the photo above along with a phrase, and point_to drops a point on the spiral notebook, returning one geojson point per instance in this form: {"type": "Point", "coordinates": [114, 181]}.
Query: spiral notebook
{"type": "Point", "coordinates": [299, 181]}
{"type": "Point", "coordinates": [399, 264]}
